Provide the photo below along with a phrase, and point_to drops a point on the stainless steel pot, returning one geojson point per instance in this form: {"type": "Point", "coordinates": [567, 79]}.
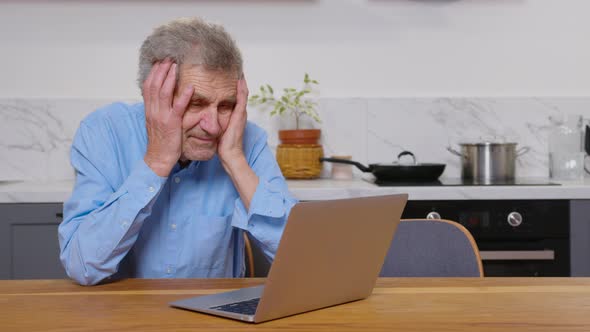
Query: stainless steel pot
{"type": "Point", "coordinates": [487, 162]}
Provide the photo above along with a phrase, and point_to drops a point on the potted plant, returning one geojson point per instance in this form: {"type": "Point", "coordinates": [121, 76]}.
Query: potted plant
{"type": "Point", "coordinates": [294, 103]}
{"type": "Point", "coordinates": [299, 153]}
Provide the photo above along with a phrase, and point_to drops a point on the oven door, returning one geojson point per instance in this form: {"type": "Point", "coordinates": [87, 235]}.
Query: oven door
{"type": "Point", "coordinates": [541, 258]}
{"type": "Point", "coordinates": [536, 246]}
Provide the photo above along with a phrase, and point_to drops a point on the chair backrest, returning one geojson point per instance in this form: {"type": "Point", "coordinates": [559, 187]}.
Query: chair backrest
{"type": "Point", "coordinates": [432, 248]}
{"type": "Point", "coordinates": [257, 265]}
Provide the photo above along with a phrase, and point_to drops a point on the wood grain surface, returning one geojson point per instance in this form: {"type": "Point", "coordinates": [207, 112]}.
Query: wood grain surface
{"type": "Point", "coordinates": [412, 304]}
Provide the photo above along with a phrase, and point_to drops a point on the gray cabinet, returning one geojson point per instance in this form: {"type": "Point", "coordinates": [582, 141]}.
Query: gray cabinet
{"type": "Point", "coordinates": [580, 238]}
{"type": "Point", "coordinates": [29, 246]}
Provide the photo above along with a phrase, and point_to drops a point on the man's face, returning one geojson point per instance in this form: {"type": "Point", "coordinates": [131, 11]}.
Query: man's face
{"type": "Point", "coordinates": [208, 113]}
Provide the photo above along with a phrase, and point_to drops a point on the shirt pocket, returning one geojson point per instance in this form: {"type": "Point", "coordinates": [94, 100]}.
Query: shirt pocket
{"type": "Point", "coordinates": [212, 246]}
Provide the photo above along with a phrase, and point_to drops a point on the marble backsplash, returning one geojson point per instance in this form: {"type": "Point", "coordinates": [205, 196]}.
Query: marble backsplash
{"type": "Point", "coordinates": [35, 134]}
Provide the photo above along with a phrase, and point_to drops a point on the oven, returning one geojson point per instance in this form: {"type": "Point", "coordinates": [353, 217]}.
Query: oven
{"type": "Point", "coordinates": [516, 238]}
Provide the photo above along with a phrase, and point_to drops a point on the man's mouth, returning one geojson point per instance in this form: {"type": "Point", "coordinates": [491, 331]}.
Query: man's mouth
{"type": "Point", "coordinates": [204, 139]}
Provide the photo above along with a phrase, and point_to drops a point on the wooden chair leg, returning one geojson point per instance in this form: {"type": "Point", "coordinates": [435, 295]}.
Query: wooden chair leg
{"type": "Point", "coordinates": [249, 255]}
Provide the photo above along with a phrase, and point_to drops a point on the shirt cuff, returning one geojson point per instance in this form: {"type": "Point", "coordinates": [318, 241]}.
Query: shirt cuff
{"type": "Point", "coordinates": [143, 184]}
{"type": "Point", "coordinates": [266, 201]}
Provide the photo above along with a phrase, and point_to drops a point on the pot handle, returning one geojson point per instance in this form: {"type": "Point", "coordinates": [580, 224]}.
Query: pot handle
{"type": "Point", "coordinates": [349, 162]}
{"type": "Point", "coordinates": [455, 152]}
{"type": "Point", "coordinates": [523, 150]}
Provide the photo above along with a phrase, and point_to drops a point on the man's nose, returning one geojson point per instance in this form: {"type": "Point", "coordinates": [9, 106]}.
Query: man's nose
{"type": "Point", "coordinates": [210, 123]}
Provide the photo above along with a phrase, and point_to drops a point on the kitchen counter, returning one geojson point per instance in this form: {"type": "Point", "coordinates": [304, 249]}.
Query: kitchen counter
{"type": "Point", "coordinates": [334, 189]}
{"type": "Point", "coordinates": [320, 189]}
{"type": "Point", "coordinates": [35, 191]}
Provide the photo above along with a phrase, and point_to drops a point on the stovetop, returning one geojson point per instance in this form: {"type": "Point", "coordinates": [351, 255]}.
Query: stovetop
{"type": "Point", "coordinates": [462, 182]}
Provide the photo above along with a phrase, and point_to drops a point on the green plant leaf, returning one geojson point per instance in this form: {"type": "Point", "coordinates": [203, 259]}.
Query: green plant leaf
{"type": "Point", "coordinates": [292, 100]}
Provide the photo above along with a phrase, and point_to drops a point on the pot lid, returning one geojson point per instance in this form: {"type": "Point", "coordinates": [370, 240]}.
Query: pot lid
{"type": "Point", "coordinates": [489, 140]}
{"type": "Point", "coordinates": [408, 161]}
{"type": "Point", "coordinates": [487, 143]}
{"type": "Point", "coordinates": [398, 165]}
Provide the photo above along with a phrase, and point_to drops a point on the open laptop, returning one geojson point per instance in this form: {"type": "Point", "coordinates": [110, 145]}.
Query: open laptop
{"type": "Point", "coordinates": [330, 253]}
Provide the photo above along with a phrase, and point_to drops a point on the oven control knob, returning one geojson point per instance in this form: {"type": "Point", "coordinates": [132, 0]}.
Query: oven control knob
{"type": "Point", "coordinates": [514, 219]}
{"type": "Point", "coordinates": [433, 215]}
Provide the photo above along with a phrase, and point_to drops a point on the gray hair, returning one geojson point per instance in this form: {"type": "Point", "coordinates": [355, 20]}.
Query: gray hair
{"type": "Point", "coordinates": [190, 41]}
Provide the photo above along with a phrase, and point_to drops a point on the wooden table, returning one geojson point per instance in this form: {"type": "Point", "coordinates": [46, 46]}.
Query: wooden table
{"type": "Point", "coordinates": [489, 304]}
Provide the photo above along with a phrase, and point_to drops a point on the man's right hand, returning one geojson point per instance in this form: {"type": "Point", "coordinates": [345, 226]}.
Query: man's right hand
{"type": "Point", "coordinates": [163, 117]}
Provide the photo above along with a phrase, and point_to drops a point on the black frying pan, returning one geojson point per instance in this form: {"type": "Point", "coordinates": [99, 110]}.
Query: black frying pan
{"type": "Point", "coordinates": [396, 172]}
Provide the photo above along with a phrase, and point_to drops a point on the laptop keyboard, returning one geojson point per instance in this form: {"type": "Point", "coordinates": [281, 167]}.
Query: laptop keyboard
{"type": "Point", "coordinates": [247, 307]}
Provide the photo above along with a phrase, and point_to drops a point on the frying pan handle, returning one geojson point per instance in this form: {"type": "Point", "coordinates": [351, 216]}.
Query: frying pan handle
{"type": "Point", "coordinates": [346, 161]}
{"type": "Point", "coordinates": [453, 151]}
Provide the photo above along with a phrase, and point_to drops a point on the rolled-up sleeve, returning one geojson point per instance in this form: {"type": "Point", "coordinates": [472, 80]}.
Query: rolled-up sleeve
{"type": "Point", "coordinates": [271, 203]}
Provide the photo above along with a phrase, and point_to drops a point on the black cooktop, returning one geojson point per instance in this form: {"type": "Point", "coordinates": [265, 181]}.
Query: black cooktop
{"type": "Point", "coordinates": [462, 182]}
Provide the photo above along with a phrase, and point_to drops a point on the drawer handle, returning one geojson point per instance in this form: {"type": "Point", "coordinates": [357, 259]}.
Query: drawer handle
{"type": "Point", "coordinates": [517, 255]}
{"type": "Point", "coordinates": [59, 215]}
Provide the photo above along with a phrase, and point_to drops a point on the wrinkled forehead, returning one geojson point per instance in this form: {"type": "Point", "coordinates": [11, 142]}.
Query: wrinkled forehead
{"type": "Point", "coordinates": [209, 84]}
{"type": "Point", "coordinates": [186, 70]}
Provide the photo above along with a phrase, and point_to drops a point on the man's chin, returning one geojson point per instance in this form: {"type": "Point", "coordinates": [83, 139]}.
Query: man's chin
{"type": "Point", "coordinates": [202, 155]}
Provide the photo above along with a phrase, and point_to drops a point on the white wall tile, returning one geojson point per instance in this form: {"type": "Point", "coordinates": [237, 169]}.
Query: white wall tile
{"type": "Point", "coordinates": [36, 134]}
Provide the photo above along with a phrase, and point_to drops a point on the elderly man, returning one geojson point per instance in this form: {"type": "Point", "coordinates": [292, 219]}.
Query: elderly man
{"type": "Point", "coordinates": [166, 188]}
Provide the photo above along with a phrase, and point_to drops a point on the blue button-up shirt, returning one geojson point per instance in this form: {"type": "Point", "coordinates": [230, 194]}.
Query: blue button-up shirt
{"type": "Point", "coordinates": [124, 220]}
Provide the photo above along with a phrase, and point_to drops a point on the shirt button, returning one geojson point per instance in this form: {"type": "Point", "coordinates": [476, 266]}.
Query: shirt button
{"type": "Point", "coordinates": [177, 179]}
{"type": "Point", "coordinates": [173, 226]}
{"type": "Point", "coordinates": [151, 189]}
{"type": "Point", "coordinates": [168, 270]}
{"type": "Point", "coordinates": [124, 223]}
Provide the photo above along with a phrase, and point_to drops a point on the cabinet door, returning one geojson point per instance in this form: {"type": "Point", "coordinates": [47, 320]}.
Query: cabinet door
{"type": "Point", "coordinates": [580, 237]}
{"type": "Point", "coordinates": [29, 246]}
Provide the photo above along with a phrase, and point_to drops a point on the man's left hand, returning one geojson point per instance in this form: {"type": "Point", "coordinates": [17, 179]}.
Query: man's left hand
{"type": "Point", "coordinates": [231, 146]}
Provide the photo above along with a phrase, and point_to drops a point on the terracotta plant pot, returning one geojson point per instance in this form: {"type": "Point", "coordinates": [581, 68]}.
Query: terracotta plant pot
{"type": "Point", "coordinates": [299, 153]}
{"type": "Point", "coordinates": [300, 136]}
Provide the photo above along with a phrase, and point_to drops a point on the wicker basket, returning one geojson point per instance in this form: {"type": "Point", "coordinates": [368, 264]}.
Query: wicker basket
{"type": "Point", "coordinates": [300, 161]}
